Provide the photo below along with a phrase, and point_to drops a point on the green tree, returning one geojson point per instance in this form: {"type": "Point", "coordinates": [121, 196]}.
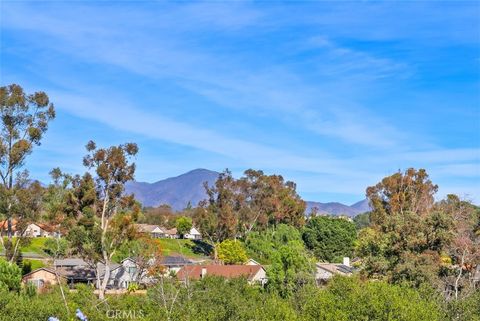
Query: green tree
{"type": "Point", "coordinates": [10, 275]}
{"type": "Point", "coordinates": [113, 168]}
{"type": "Point", "coordinates": [411, 191]}
{"type": "Point", "coordinates": [330, 238]}
{"type": "Point", "coordinates": [184, 225]}
{"type": "Point", "coordinates": [24, 119]}
{"type": "Point", "coordinates": [407, 236]}
{"type": "Point", "coordinates": [25, 209]}
{"type": "Point", "coordinates": [291, 269]}
{"type": "Point", "coordinates": [56, 247]}
{"type": "Point", "coordinates": [362, 220]}
{"type": "Point", "coordinates": [349, 298]}
{"type": "Point", "coordinates": [267, 200]}
{"type": "Point", "coordinates": [252, 203]}
{"type": "Point", "coordinates": [262, 245]}
{"type": "Point", "coordinates": [232, 252]}
{"type": "Point", "coordinates": [162, 215]}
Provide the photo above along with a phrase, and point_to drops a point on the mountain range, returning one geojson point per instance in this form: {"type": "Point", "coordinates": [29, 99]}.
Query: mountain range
{"type": "Point", "coordinates": [187, 188]}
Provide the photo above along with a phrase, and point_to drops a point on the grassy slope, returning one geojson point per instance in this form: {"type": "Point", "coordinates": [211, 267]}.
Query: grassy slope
{"type": "Point", "coordinates": [36, 264]}
{"type": "Point", "coordinates": [187, 248]}
{"type": "Point", "coordinates": [36, 246]}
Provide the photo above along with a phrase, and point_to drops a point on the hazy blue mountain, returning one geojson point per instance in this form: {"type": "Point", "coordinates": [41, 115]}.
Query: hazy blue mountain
{"type": "Point", "coordinates": [361, 207]}
{"type": "Point", "coordinates": [175, 191]}
{"type": "Point", "coordinates": [180, 190]}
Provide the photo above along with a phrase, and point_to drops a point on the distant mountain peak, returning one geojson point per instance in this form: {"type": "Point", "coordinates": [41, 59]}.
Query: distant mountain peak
{"type": "Point", "coordinates": [336, 208]}
{"type": "Point", "coordinates": [175, 191]}
{"type": "Point", "coordinates": [187, 188]}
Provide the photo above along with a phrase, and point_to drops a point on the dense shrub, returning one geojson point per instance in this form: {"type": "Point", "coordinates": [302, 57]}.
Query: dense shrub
{"type": "Point", "coordinates": [10, 276]}
{"type": "Point", "coordinates": [352, 299]}
{"type": "Point", "coordinates": [216, 299]}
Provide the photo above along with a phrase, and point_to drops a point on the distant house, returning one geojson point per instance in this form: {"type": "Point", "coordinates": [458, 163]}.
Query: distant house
{"type": "Point", "coordinates": [124, 274]}
{"type": "Point", "coordinates": [75, 270]}
{"type": "Point", "coordinates": [70, 262]}
{"type": "Point", "coordinates": [50, 230]}
{"type": "Point", "coordinates": [324, 271]}
{"type": "Point", "coordinates": [174, 263]}
{"type": "Point", "coordinates": [194, 234]}
{"type": "Point", "coordinates": [42, 277]}
{"type": "Point", "coordinates": [30, 230]}
{"type": "Point", "coordinates": [172, 233]}
{"type": "Point", "coordinates": [41, 230]}
{"type": "Point", "coordinates": [4, 227]}
{"type": "Point", "coordinates": [253, 273]}
{"type": "Point", "coordinates": [154, 231]}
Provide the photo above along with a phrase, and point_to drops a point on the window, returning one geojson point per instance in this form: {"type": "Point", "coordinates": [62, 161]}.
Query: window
{"type": "Point", "coordinates": [37, 282]}
{"type": "Point", "coordinates": [132, 270]}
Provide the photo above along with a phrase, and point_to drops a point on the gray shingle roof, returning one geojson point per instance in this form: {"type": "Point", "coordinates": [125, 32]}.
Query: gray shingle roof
{"type": "Point", "coordinates": [70, 262]}
{"type": "Point", "coordinates": [175, 261]}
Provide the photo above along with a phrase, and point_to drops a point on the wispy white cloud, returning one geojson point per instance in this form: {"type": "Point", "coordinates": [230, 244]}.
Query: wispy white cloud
{"type": "Point", "coordinates": [276, 90]}
{"type": "Point", "coordinates": [169, 43]}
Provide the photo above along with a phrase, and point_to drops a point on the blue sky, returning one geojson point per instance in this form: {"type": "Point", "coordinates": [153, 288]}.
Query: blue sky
{"type": "Point", "coordinates": [333, 96]}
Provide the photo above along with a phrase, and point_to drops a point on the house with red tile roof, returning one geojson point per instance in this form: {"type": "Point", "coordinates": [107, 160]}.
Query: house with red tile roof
{"type": "Point", "coordinates": [253, 273]}
{"type": "Point", "coordinates": [30, 229]}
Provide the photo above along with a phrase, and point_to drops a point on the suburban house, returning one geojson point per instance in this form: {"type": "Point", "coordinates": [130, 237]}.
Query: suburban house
{"type": "Point", "coordinates": [174, 263]}
{"type": "Point", "coordinates": [42, 277]}
{"type": "Point", "coordinates": [194, 234]}
{"type": "Point", "coordinates": [325, 271]}
{"type": "Point", "coordinates": [123, 274]}
{"type": "Point", "coordinates": [4, 228]}
{"type": "Point", "coordinates": [253, 273]}
{"type": "Point", "coordinates": [30, 230]}
{"type": "Point", "coordinates": [41, 230]}
{"type": "Point", "coordinates": [75, 270]}
{"type": "Point", "coordinates": [154, 231]}
{"type": "Point", "coordinates": [172, 233]}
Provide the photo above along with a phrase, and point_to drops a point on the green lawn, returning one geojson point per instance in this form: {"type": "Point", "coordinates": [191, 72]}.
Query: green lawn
{"type": "Point", "coordinates": [36, 245]}
{"type": "Point", "coordinates": [36, 264]}
{"type": "Point", "coordinates": [187, 248]}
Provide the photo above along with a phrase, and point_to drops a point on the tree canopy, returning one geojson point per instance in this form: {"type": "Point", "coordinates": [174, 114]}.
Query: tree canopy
{"type": "Point", "coordinates": [330, 238]}
{"type": "Point", "coordinates": [232, 252]}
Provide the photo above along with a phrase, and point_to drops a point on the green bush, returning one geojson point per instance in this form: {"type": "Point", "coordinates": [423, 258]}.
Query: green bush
{"type": "Point", "coordinates": [10, 275]}
{"type": "Point", "coordinates": [217, 299]}
{"type": "Point", "coordinates": [348, 299]}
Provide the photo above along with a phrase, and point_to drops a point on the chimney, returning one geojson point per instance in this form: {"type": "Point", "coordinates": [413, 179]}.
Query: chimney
{"type": "Point", "coordinates": [204, 272]}
{"type": "Point", "coordinates": [346, 261]}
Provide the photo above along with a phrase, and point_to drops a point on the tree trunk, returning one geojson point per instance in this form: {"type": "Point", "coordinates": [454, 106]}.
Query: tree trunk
{"type": "Point", "coordinates": [104, 225]}
{"type": "Point", "coordinates": [215, 252]}
{"type": "Point", "coordinates": [15, 250]}
{"type": "Point", "coordinates": [106, 277]}
{"type": "Point", "coordinates": [459, 276]}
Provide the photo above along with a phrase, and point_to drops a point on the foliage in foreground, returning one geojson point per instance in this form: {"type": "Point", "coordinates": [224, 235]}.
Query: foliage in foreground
{"type": "Point", "coordinates": [218, 299]}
